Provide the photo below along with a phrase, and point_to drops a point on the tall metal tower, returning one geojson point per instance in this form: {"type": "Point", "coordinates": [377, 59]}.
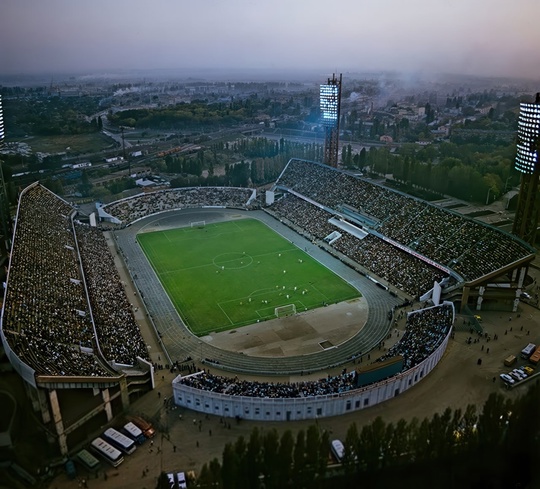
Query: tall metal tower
{"type": "Point", "coordinates": [528, 148]}
{"type": "Point", "coordinates": [5, 218]}
{"type": "Point", "coordinates": [330, 105]}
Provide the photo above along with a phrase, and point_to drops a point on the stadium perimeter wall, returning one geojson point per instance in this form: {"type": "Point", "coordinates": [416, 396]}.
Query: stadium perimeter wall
{"type": "Point", "coordinates": [302, 408]}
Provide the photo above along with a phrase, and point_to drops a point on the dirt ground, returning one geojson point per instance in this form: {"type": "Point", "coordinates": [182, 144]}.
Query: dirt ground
{"type": "Point", "coordinates": [300, 334]}
{"type": "Point", "coordinates": [190, 439]}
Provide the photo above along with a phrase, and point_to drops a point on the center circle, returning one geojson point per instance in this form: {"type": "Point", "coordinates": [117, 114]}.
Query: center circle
{"type": "Point", "coordinates": [232, 261]}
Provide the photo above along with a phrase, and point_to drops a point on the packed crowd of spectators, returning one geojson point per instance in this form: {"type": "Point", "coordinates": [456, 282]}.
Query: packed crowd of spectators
{"type": "Point", "coordinates": [138, 206]}
{"type": "Point", "coordinates": [251, 388]}
{"type": "Point", "coordinates": [119, 336]}
{"type": "Point", "coordinates": [46, 318]}
{"type": "Point", "coordinates": [470, 248]}
{"type": "Point", "coordinates": [403, 270]}
{"type": "Point", "coordinates": [424, 332]}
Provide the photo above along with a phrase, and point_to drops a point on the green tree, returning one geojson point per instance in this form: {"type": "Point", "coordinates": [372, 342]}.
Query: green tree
{"type": "Point", "coordinates": [271, 458]}
{"type": "Point", "coordinates": [230, 472]}
{"type": "Point", "coordinates": [85, 186]}
{"type": "Point", "coordinates": [351, 449]}
{"type": "Point", "coordinates": [299, 459]}
{"type": "Point", "coordinates": [253, 458]}
{"type": "Point", "coordinates": [284, 463]}
{"type": "Point", "coordinates": [312, 453]}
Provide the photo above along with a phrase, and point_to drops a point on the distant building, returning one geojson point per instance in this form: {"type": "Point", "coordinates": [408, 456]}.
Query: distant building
{"type": "Point", "coordinates": [528, 145]}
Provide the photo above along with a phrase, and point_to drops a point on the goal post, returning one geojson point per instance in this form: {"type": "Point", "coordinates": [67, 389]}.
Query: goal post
{"type": "Point", "coordinates": [198, 224]}
{"type": "Point", "coordinates": [283, 311]}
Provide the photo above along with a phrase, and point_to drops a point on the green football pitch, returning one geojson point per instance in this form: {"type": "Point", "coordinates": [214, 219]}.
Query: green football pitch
{"type": "Point", "coordinates": [232, 274]}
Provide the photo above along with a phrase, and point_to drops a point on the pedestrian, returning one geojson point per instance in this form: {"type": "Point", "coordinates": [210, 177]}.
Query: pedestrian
{"type": "Point", "coordinates": [209, 432]}
{"type": "Point", "coordinates": [487, 350]}
{"type": "Point", "coordinates": [151, 443]}
{"type": "Point", "coordinates": [174, 448]}
{"type": "Point", "coordinates": [197, 443]}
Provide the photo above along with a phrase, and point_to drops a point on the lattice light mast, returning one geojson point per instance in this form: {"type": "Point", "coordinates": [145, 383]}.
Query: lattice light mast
{"type": "Point", "coordinates": [528, 148]}
{"type": "Point", "coordinates": [5, 218]}
{"type": "Point", "coordinates": [330, 106]}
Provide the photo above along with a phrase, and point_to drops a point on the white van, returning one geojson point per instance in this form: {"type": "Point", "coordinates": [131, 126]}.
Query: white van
{"type": "Point", "coordinates": [181, 477]}
{"type": "Point", "coordinates": [338, 450]}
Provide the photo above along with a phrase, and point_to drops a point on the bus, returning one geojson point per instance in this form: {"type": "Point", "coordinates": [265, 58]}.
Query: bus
{"type": "Point", "coordinates": [134, 432]}
{"type": "Point", "coordinates": [87, 459]}
{"type": "Point", "coordinates": [108, 452]}
{"type": "Point", "coordinates": [528, 351]}
{"type": "Point", "coordinates": [120, 441]}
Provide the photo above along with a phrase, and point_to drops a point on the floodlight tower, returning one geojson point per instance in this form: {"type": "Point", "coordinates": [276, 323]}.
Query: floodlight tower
{"type": "Point", "coordinates": [330, 106]}
{"type": "Point", "coordinates": [5, 218]}
{"type": "Point", "coordinates": [528, 148]}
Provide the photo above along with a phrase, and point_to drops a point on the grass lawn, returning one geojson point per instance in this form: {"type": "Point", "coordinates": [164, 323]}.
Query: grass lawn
{"type": "Point", "coordinates": [231, 274]}
{"type": "Point", "coordinates": [78, 143]}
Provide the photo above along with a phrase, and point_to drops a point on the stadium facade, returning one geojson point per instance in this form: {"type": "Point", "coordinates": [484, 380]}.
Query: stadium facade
{"type": "Point", "coordinates": [528, 147]}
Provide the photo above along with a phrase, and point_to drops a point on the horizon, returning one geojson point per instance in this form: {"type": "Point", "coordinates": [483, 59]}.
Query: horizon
{"type": "Point", "coordinates": [427, 37]}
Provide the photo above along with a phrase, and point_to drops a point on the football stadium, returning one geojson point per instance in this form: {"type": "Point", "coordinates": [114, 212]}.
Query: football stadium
{"type": "Point", "coordinates": [303, 277]}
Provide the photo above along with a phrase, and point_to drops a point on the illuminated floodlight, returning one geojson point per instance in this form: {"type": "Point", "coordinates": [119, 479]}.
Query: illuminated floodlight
{"type": "Point", "coordinates": [1, 123]}
{"type": "Point", "coordinates": [528, 137]}
{"type": "Point", "coordinates": [329, 104]}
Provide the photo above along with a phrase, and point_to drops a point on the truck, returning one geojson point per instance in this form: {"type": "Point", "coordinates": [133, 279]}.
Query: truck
{"type": "Point", "coordinates": [145, 426]}
{"type": "Point", "coordinates": [535, 357]}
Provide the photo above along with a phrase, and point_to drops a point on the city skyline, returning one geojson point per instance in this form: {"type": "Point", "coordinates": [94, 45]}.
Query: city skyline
{"type": "Point", "coordinates": [485, 38]}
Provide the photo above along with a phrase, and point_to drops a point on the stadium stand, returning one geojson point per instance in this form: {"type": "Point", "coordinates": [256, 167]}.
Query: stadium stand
{"type": "Point", "coordinates": [142, 205]}
{"type": "Point", "coordinates": [399, 268]}
{"type": "Point", "coordinates": [468, 248]}
{"type": "Point", "coordinates": [119, 336]}
{"type": "Point", "coordinates": [46, 318]}
{"type": "Point", "coordinates": [67, 326]}
{"type": "Point", "coordinates": [425, 331]}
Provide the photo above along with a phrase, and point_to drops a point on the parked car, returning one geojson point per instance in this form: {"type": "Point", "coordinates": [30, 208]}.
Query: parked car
{"type": "Point", "coordinates": [528, 370]}
{"type": "Point", "coordinates": [507, 379]}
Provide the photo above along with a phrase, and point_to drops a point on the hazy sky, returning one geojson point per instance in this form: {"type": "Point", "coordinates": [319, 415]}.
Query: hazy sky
{"type": "Point", "coordinates": [484, 37]}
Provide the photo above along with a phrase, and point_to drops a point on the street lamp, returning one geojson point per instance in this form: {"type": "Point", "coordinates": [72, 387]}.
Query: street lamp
{"type": "Point", "coordinates": [487, 198]}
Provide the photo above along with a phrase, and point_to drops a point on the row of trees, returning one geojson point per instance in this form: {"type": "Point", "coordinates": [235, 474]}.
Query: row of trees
{"type": "Point", "coordinates": [458, 448]}
{"type": "Point", "coordinates": [50, 116]}
{"type": "Point", "coordinates": [468, 172]}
